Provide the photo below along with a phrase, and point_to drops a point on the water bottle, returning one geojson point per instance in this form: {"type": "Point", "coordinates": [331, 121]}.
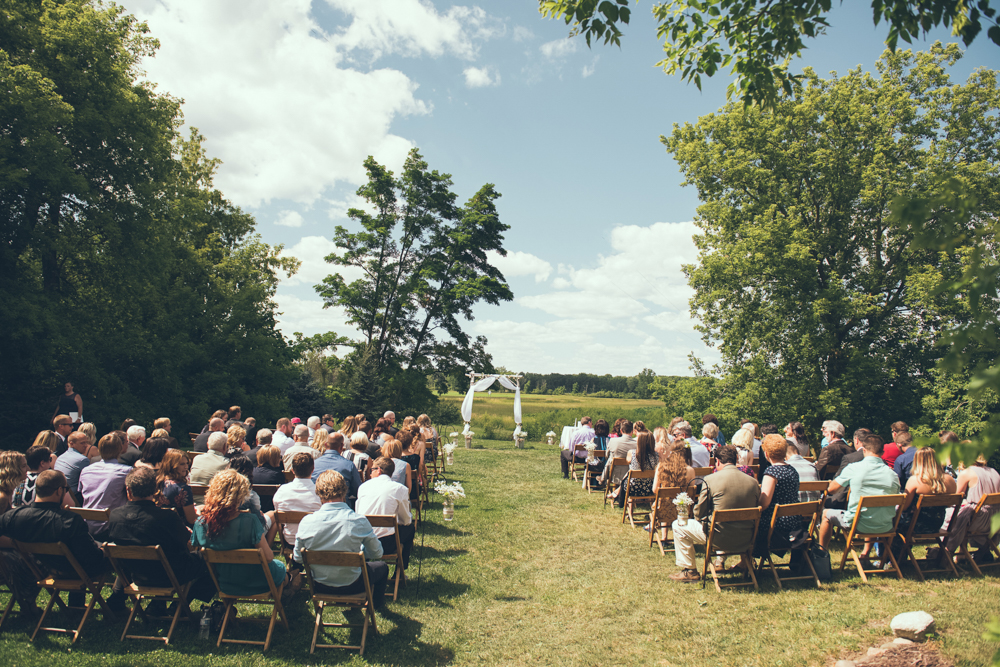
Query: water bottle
{"type": "Point", "coordinates": [205, 624]}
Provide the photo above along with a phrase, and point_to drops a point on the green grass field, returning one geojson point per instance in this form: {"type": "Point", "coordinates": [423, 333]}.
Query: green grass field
{"type": "Point", "coordinates": [534, 571]}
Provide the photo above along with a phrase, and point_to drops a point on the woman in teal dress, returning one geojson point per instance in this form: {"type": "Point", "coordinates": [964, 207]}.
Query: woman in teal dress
{"type": "Point", "coordinates": [223, 527]}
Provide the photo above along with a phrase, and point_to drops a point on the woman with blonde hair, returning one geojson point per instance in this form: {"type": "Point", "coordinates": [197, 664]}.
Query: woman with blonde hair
{"type": "Point", "coordinates": [357, 454]}
{"type": "Point", "coordinates": [47, 439]}
{"type": "Point", "coordinates": [673, 470]}
{"type": "Point", "coordinates": [13, 471]}
{"type": "Point", "coordinates": [223, 527]}
{"type": "Point", "coordinates": [709, 435]}
{"type": "Point", "coordinates": [742, 440]}
{"type": "Point", "coordinates": [172, 486]}
{"type": "Point", "coordinates": [319, 440]}
{"type": "Point", "coordinates": [348, 428]}
{"type": "Point", "coordinates": [927, 478]}
{"type": "Point", "coordinates": [429, 435]}
{"type": "Point", "coordinates": [392, 449]}
{"type": "Point", "coordinates": [236, 441]}
{"type": "Point", "coordinates": [270, 467]}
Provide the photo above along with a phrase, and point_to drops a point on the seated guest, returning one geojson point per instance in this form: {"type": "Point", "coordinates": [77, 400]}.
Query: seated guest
{"type": "Point", "coordinates": [868, 477]}
{"type": "Point", "coordinates": [581, 436]}
{"type": "Point", "coordinates": [215, 425]}
{"type": "Point", "coordinates": [318, 442]}
{"type": "Point", "coordinates": [380, 435]}
{"type": "Point", "coordinates": [836, 449]}
{"type": "Point", "coordinates": [234, 416]}
{"type": "Point", "coordinates": [102, 485]}
{"type": "Point", "coordinates": [727, 488]}
{"type": "Point", "coordinates": [270, 468]}
{"type": "Point", "coordinates": [47, 520]}
{"type": "Point", "coordinates": [780, 487]}
{"type": "Point", "coordinates": [391, 416]}
{"type": "Point", "coordinates": [301, 444]}
{"type": "Point", "coordinates": [642, 459]}
{"type": "Point", "coordinates": [136, 436]}
{"type": "Point", "coordinates": [336, 527]}
{"type": "Point", "coordinates": [171, 483]}
{"type": "Point", "coordinates": [141, 523]}
{"type": "Point", "coordinates": [743, 442]}
{"type": "Point", "coordinates": [358, 453]}
{"type": "Point", "coordinates": [348, 427]}
{"type": "Point", "coordinates": [720, 439]}
{"type": "Point", "coordinates": [222, 526]}
{"type": "Point", "coordinates": [332, 460]}
{"type": "Point", "coordinates": [927, 478]}
{"type": "Point", "coordinates": [298, 495]}
{"type": "Point", "coordinates": [755, 434]}
{"type": "Point", "coordinates": [700, 454]}
{"type": "Point", "coordinates": [762, 464]}
{"type": "Point", "coordinates": [411, 456]}
{"type": "Point", "coordinates": [73, 460]}
{"type": "Point", "coordinates": [209, 464]}
{"type": "Point", "coordinates": [673, 471]}
{"type": "Point", "coordinates": [236, 441]}
{"type": "Point", "coordinates": [39, 460]}
{"type": "Point", "coordinates": [975, 482]}
{"type": "Point", "coordinates": [252, 504]}
{"type": "Point", "coordinates": [90, 430]}
{"type": "Point", "coordinates": [164, 423]}
{"type": "Point", "coordinates": [381, 495]}
{"type": "Point", "coordinates": [152, 453]}
{"type": "Point", "coordinates": [795, 433]}
{"type": "Point", "coordinates": [281, 438]}
{"type": "Point", "coordinates": [264, 436]}
{"type": "Point", "coordinates": [892, 450]}
{"type": "Point", "coordinates": [618, 448]}
{"type": "Point", "coordinates": [62, 426]}
{"type": "Point", "coordinates": [401, 469]}
{"type": "Point", "coordinates": [708, 440]}
{"type": "Point", "coordinates": [838, 500]}
{"type": "Point", "coordinates": [13, 471]}
{"type": "Point", "coordinates": [904, 462]}
{"type": "Point", "coordinates": [805, 469]}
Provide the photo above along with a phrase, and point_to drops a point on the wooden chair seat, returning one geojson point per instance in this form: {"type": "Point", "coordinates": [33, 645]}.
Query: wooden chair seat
{"type": "Point", "coordinates": [396, 559]}
{"type": "Point", "coordinates": [809, 510]}
{"type": "Point", "coordinates": [988, 500]}
{"type": "Point", "coordinates": [746, 556]}
{"type": "Point", "coordinates": [588, 476]}
{"type": "Point", "coordinates": [938, 538]}
{"type": "Point", "coordinates": [631, 509]}
{"type": "Point", "coordinates": [271, 597]}
{"type": "Point", "coordinates": [120, 556]}
{"type": "Point", "coordinates": [855, 537]}
{"type": "Point", "coordinates": [56, 586]}
{"type": "Point", "coordinates": [321, 601]}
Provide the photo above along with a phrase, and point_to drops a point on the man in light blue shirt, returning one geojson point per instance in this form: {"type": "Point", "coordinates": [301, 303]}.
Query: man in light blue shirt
{"type": "Point", "coordinates": [336, 527]}
{"type": "Point", "coordinates": [73, 460]}
{"type": "Point", "coordinates": [332, 460]}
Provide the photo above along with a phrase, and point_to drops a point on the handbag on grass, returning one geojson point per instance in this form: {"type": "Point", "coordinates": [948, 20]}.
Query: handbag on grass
{"type": "Point", "coordinates": [821, 562]}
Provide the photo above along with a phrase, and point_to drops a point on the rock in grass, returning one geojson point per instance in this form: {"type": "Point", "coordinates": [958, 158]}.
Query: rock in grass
{"type": "Point", "coordinates": [845, 663]}
{"type": "Point", "coordinates": [913, 625]}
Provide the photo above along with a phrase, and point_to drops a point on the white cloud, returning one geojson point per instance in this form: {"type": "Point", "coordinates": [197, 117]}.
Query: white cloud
{"type": "Point", "coordinates": [589, 69]}
{"type": "Point", "coordinates": [520, 264]}
{"type": "Point", "coordinates": [312, 252]}
{"type": "Point", "coordinates": [289, 219]}
{"type": "Point", "coordinates": [481, 77]}
{"type": "Point", "coordinates": [278, 98]}
{"type": "Point", "coordinates": [308, 316]}
{"type": "Point", "coordinates": [559, 48]}
{"type": "Point", "coordinates": [522, 34]}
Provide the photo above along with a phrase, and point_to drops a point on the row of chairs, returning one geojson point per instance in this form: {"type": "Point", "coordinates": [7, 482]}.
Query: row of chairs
{"type": "Point", "coordinates": [645, 509]}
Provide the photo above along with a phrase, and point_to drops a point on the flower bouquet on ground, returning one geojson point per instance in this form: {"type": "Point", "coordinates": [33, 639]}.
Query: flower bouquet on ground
{"type": "Point", "coordinates": [683, 502]}
{"type": "Point", "coordinates": [450, 493]}
{"type": "Point", "coordinates": [551, 437]}
{"type": "Point", "coordinates": [449, 453]}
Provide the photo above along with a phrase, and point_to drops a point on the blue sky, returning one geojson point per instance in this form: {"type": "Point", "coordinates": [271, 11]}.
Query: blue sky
{"type": "Point", "coordinates": [292, 96]}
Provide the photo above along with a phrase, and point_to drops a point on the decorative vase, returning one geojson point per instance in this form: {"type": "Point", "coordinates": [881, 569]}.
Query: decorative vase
{"type": "Point", "coordinates": [551, 440]}
{"type": "Point", "coordinates": [519, 442]}
{"type": "Point", "coordinates": [682, 515]}
{"type": "Point", "coordinates": [449, 509]}
{"type": "Point", "coordinates": [468, 441]}
{"type": "Point", "coordinates": [449, 458]}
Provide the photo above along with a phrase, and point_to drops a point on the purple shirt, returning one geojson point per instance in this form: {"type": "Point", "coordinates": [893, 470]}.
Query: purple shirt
{"type": "Point", "coordinates": [581, 436]}
{"type": "Point", "coordinates": [102, 486]}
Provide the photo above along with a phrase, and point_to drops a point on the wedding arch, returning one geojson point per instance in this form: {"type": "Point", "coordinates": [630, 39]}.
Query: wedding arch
{"type": "Point", "coordinates": [482, 382]}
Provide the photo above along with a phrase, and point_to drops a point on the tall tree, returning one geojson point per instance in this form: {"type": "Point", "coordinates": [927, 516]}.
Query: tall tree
{"type": "Point", "coordinates": [757, 38]}
{"type": "Point", "coordinates": [424, 264]}
{"type": "Point", "coordinates": [814, 292]}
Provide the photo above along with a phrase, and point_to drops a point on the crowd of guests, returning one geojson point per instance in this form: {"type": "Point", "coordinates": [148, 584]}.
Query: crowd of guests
{"type": "Point", "coordinates": [762, 466]}
{"type": "Point", "coordinates": [156, 495]}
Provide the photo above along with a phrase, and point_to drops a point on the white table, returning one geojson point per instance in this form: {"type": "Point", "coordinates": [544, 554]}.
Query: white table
{"type": "Point", "coordinates": [567, 434]}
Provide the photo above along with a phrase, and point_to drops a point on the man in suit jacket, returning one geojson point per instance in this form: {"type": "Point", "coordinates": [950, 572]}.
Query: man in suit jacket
{"type": "Point", "coordinates": [835, 450]}
{"type": "Point", "coordinates": [618, 448]}
{"type": "Point", "coordinates": [726, 489]}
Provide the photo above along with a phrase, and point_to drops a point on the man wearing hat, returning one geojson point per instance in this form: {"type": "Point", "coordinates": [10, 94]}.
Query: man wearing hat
{"type": "Point", "coordinates": [835, 450]}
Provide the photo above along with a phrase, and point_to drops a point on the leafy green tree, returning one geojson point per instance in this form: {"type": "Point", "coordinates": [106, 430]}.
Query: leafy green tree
{"type": "Point", "coordinates": [424, 266]}
{"type": "Point", "coordinates": [757, 38]}
{"type": "Point", "coordinates": [813, 290]}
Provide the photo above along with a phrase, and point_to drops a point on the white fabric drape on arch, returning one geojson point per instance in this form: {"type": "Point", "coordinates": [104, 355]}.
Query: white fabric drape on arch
{"type": "Point", "coordinates": [483, 385]}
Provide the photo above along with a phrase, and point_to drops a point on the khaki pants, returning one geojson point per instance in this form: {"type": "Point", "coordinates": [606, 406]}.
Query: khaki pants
{"type": "Point", "coordinates": [685, 537]}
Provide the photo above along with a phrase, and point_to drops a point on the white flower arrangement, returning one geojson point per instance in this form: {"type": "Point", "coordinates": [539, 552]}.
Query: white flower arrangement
{"type": "Point", "coordinates": [683, 500]}
{"type": "Point", "coordinates": [450, 491]}
{"type": "Point", "coordinates": [550, 434]}
{"type": "Point", "coordinates": [591, 447]}
{"type": "Point", "coordinates": [449, 448]}
{"type": "Point", "coordinates": [453, 434]}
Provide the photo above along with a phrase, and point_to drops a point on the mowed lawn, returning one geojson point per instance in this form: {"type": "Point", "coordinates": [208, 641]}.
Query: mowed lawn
{"type": "Point", "coordinates": [534, 571]}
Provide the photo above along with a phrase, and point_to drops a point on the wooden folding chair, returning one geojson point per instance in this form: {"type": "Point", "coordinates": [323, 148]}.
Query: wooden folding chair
{"type": "Point", "coordinates": [56, 584]}
{"type": "Point", "coordinates": [938, 538]}
{"type": "Point", "coordinates": [746, 556]}
{"type": "Point", "coordinates": [809, 510]}
{"type": "Point", "coordinates": [271, 597]}
{"type": "Point", "coordinates": [266, 489]}
{"type": "Point", "coordinates": [289, 475]}
{"type": "Point", "coordinates": [703, 472]}
{"type": "Point", "coordinates": [822, 486]}
{"type": "Point", "coordinates": [988, 500]}
{"type": "Point", "coordinates": [588, 475]}
{"type": "Point", "coordinates": [5, 576]}
{"type": "Point", "coordinates": [630, 507]}
{"type": "Point", "coordinates": [191, 456]}
{"type": "Point", "coordinates": [658, 530]}
{"type": "Point", "coordinates": [389, 521]}
{"type": "Point", "coordinates": [139, 593]}
{"type": "Point", "coordinates": [577, 464]}
{"type": "Point", "coordinates": [321, 601]}
{"type": "Point", "coordinates": [92, 514]}
{"type": "Point", "coordinates": [287, 518]}
{"type": "Point", "coordinates": [193, 437]}
{"type": "Point", "coordinates": [711, 462]}
{"type": "Point", "coordinates": [855, 537]}
{"type": "Point", "coordinates": [609, 474]}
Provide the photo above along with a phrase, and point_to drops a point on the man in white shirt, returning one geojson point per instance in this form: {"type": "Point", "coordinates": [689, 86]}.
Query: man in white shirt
{"type": "Point", "coordinates": [301, 444]}
{"type": "Point", "coordinates": [281, 436]}
{"type": "Point", "coordinates": [582, 435]}
{"type": "Point", "coordinates": [381, 495]}
{"type": "Point", "coordinates": [298, 495]}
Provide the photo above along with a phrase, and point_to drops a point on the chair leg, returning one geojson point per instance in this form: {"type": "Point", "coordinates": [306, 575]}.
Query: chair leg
{"type": "Point", "coordinates": [136, 604]}
{"type": "Point", "coordinates": [969, 559]}
{"type": "Point", "coordinates": [892, 559]}
{"type": "Point", "coordinates": [53, 596]}
{"type": "Point", "coordinates": [908, 556]}
{"type": "Point", "coordinates": [95, 596]}
{"type": "Point", "coordinates": [173, 623]}
{"type": "Point", "coordinates": [225, 622]}
{"type": "Point", "coordinates": [857, 563]}
{"type": "Point", "coordinates": [270, 626]}
{"type": "Point", "coordinates": [319, 623]}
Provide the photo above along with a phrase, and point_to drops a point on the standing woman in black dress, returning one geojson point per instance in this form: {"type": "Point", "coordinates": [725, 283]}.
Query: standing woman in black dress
{"type": "Point", "coordinates": [70, 402]}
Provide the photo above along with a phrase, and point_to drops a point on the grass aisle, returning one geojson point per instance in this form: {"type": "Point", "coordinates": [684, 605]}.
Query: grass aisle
{"type": "Point", "coordinates": [534, 571]}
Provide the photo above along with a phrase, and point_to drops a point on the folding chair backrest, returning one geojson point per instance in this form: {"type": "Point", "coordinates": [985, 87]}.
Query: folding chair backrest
{"type": "Point", "coordinates": [120, 554]}
{"type": "Point", "coordinates": [334, 558]}
{"type": "Point", "coordinates": [808, 509]}
{"type": "Point", "coordinates": [266, 489]}
{"type": "Point", "coordinates": [92, 514]}
{"type": "Point", "coordinates": [382, 520]}
{"type": "Point", "coordinates": [191, 456]}
{"type": "Point", "coordinates": [820, 485]}
{"type": "Point", "coordinates": [751, 514]}
{"type": "Point", "coordinates": [236, 557]}
{"type": "Point", "coordinates": [290, 517]}
{"type": "Point", "coordinates": [50, 551]}
{"type": "Point", "coordinates": [702, 472]}
{"type": "Point", "coordinates": [289, 475]}
{"type": "Point", "coordinates": [867, 502]}
{"type": "Point", "coordinates": [616, 463]}
{"type": "Point", "coordinates": [934, 500]}
{"type": "Point", "coordinates": [988, 500]}
{"type": "Point", "coordinates": [198, 490]}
